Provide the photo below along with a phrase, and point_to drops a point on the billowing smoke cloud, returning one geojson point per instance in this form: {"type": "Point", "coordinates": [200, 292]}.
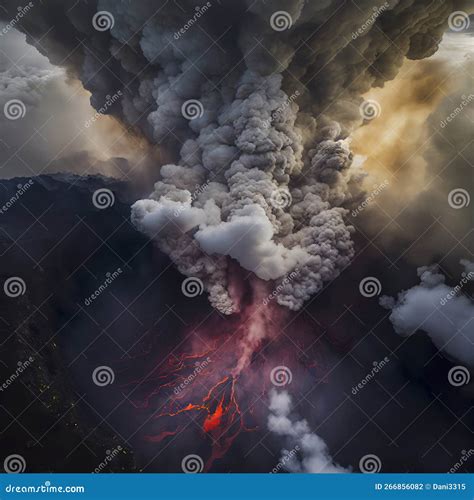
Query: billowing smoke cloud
{"type": "Point", "coordinates": [256, 101]}
{"type": "Point", "coordinates": [444, 313]}
{"type": "Point", "coordinates": [315, 457]}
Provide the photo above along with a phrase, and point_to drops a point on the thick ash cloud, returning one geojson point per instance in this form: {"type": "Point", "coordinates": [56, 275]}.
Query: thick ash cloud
{"type": "Point", "coordinates": [445, 313]}
{"type": "Point", "coordinates": [260, 176]}
{"type": "Point", "coordinates": [312, 449]}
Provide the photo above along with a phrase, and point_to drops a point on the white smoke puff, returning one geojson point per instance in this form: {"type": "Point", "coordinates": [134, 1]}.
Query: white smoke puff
{"type": "Point", "coordinates": [435, 308]}
{"type": "Point", "coordinates": [315, 453]}
{"type": "Point", "coordinates": [248, 237]}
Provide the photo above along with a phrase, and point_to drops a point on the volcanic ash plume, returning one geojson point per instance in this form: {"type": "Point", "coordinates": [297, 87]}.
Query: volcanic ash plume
{"type": "Point", "coordinates": [256, 101]}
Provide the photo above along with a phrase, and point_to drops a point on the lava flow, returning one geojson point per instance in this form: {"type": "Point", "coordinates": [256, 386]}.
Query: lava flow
{"type": "Point", "coordinates": [207, 386]}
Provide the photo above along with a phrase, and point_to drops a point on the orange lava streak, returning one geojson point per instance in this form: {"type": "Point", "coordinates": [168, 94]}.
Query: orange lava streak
{"type": "Point", "coordinates": [214, 419]}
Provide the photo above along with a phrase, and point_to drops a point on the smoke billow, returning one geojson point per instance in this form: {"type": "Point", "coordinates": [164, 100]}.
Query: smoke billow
{"type": "Point", "coordinates": [445, 313]}
{"type": "Point", "coordinates": [315, 457]}
{"type": "Point", "coordinates": [256, 102]}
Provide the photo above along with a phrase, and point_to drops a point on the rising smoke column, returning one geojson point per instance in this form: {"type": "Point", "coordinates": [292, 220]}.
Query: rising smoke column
{"type": "Point", "coordinates": [315, 457]}
{"type": "Point", "coordinates": [256, 102]}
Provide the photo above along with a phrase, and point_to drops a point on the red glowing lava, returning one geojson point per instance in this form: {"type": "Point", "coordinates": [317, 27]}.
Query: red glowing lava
{"type": "Point", "coordinates": [222, 370]}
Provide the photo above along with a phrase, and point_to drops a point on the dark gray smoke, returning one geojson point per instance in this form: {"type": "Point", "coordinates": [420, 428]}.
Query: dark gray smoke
{"type": "Point", "coordinates": [256, 101]}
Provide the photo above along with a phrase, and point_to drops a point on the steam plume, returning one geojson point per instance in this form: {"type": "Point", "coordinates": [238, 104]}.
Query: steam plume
{"type": "Point", "coordinates": [314, 451]}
